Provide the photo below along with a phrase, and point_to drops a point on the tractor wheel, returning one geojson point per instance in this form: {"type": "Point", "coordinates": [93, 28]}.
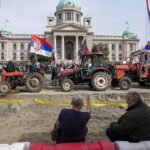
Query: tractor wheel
{"type": "Point", "coordinates": [5, 87]}
{"type": "Point", "coordinates": [34, 82]}
{"type": "Point", "coordinates": [125, 83]}
{"type": "Point", "coordinates": [142, 83]}
{"type": "Point", "coordinates": [100, 81]}
{"type": "Point", "coordinates": [67, 85]}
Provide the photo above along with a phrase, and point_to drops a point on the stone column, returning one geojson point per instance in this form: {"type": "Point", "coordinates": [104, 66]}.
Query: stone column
{"type": "Point", "coordinates": [62, 48]}
{"type": "Point", "coordinates": [117, 51]}
{"type": "Point", "coordinates": [55, 47]}
{"type": "Point", "coordinates": [110, 52]}
{"type": "Point", "coordinates": [76, 50]}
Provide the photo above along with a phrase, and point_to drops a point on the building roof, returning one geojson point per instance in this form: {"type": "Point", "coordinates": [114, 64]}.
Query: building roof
{"type": "Point", "coordinates": [72, 4]}
{"type": "Point", "coordinates": [5, 31]}
{"type": "Point", "coordinates": [129, 34]}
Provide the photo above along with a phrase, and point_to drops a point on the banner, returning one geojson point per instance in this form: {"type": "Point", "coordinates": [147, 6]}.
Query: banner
{"type": "Point", "coordinates": [40, 46]}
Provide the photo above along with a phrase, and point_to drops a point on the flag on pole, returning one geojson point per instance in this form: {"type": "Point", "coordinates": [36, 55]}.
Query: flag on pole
{"type": "Point", "coordinates": [147, 46]}
{"type": "Point", "coordinates": [84, 48]}
{"type": "Point", "coordinates": [0, 36]}
{"type": "Point", "coordinates": [40, 46]}
{"type": "Point", "coordinates": [148, 8]}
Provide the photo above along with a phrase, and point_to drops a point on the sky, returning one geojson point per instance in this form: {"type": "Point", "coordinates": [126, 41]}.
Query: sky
{"type": "Point", "coordinates": [109, 17]}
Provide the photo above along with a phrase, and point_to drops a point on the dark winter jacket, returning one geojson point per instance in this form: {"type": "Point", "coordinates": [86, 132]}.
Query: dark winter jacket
{"type": "Point", "coordinates": [135, 123]}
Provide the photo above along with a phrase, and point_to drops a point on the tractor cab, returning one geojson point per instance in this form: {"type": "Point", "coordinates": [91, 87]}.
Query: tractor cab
{"type": "Point", "coordinates": [90, 62]}
{"type": "Point", "coordinates": [142, 61]}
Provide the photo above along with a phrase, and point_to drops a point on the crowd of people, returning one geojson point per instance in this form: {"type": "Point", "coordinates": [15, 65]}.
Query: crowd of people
{"type": "Point", "coordinates": [132, 126]}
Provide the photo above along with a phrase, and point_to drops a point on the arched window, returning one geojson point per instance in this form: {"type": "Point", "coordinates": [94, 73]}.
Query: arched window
{"type": "Point", "coordinates": [22, 46]}
{"type": "Point", "coordinates": [3, 46]}
{"type": "Point", "coordinates": [14, 56]}
{"type": "Point", "coordinates": [22, 56]}
{"type": "Point", "coordinates": [2, 56]}
{"type": "Point", "coordinates": [14, 46]}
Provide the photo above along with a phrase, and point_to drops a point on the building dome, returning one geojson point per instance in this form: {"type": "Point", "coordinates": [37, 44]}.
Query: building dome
{"type": "Point", "coordinates": [5, 31]}
{"type": "Point", "coordinates": [68, 4]}
{"type": "Point", "coordinates": [129, 34]}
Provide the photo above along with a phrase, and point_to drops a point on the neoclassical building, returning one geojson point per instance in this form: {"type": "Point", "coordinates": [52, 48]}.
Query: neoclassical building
{"type": "Point", "coordinates": [66, 30]}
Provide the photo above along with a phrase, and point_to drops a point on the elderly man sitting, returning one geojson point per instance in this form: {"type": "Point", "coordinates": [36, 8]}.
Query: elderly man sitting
{"type": "Point", "coordinates": [72, 122]}
{"type": "Point", "coordinates": [134, 125]}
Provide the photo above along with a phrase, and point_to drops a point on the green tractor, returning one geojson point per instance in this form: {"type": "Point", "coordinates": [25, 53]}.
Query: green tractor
{"type": "Point", "coordinates": [91, 71]}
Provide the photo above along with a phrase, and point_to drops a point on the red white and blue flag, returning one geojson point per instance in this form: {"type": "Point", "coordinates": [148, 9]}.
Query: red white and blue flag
{"type": "Point", "coordinates": [148, 7]}
{"type": "Point", "coordinates": [40, 46]}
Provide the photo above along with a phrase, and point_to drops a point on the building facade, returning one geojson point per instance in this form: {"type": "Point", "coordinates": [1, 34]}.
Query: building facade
{"type": "Point", "coordinates": [66, 30]}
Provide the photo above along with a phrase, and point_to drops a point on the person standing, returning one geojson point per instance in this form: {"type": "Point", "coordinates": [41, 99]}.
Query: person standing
{"type": "Point", "coordinates": [72, 122]}
{"type": "Point", "coordinates": [134, 125]}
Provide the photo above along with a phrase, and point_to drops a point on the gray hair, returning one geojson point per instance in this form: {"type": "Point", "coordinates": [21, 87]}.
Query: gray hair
{"type": "Point", "coordinates": [134, 96]}
{"type": "Point", "coordinates": [77, 101]}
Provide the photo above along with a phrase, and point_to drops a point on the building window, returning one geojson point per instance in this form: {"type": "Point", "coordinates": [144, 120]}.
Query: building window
{"type": "Point", "coordinates": [113, 57]}
{"type": "Point", "coordinates": [77, 17]}
{"type": "Point", "coordinates": [68, 16]}
{"type": "Point", "coordinates": [22, 46]}
{"type": "Point", "coordinates": [14, 46]}
{"type": "Point", "coordinates": [59, 16]}
{"type": "Point", "coordinates": [131, 47]}
{"type": "Point", "coordinates": [2, 56]}
{"type": "Point", "coordinates": [120, 47]}
{"type": "Point", "coordinates": [120, 57]}
{"type": "Point", "coordinates": [14, 56]}
{"type": "Point", "coordinates": [3, 46]}
{"type": "Point", "coordinates": [113, 47]}
{"type": "Point", "coordinates": [22, 56]}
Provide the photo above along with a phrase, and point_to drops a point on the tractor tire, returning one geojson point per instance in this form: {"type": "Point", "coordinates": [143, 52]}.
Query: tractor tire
{"type": "Point", "coordinates": [142, 83]}
{"type": "Point", "coordinates": [5, 87]}
{"type": "Point", "coordinates": [67, 85]}
{"type": "Point", "coordinates": [34, 82]}
{"type": "Point", "coordinates": [100, 81]}
{"type": "Point", "coordinates": [125, 83]}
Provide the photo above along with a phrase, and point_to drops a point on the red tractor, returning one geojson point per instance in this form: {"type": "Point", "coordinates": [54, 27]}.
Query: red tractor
{"type": "Point", "coordinates": [91, 71]}
{"type": "Point", "coordinates": [33, 82]}
{"type": "Point", "coordinates": [137, 70]}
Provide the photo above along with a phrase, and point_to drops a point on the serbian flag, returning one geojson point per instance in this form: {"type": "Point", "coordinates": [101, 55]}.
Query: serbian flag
{"type": "Point", "coordinates": [147, 46]}
{"type": "Point", "coordinates": [148, 7]}
{"type": "Point", "coordinates": [40, 46]}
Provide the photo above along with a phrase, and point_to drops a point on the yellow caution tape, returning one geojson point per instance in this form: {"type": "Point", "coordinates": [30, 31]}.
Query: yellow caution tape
{"type": "Point", "coordinates": [65, 103]}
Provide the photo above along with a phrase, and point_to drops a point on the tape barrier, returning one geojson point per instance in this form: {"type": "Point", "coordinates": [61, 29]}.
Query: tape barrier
{"type": "Point", "coordinates": [63, 103]}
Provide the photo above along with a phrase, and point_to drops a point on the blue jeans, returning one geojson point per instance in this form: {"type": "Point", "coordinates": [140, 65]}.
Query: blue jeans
{"type": "Point", "coordinates": [113, 136]}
